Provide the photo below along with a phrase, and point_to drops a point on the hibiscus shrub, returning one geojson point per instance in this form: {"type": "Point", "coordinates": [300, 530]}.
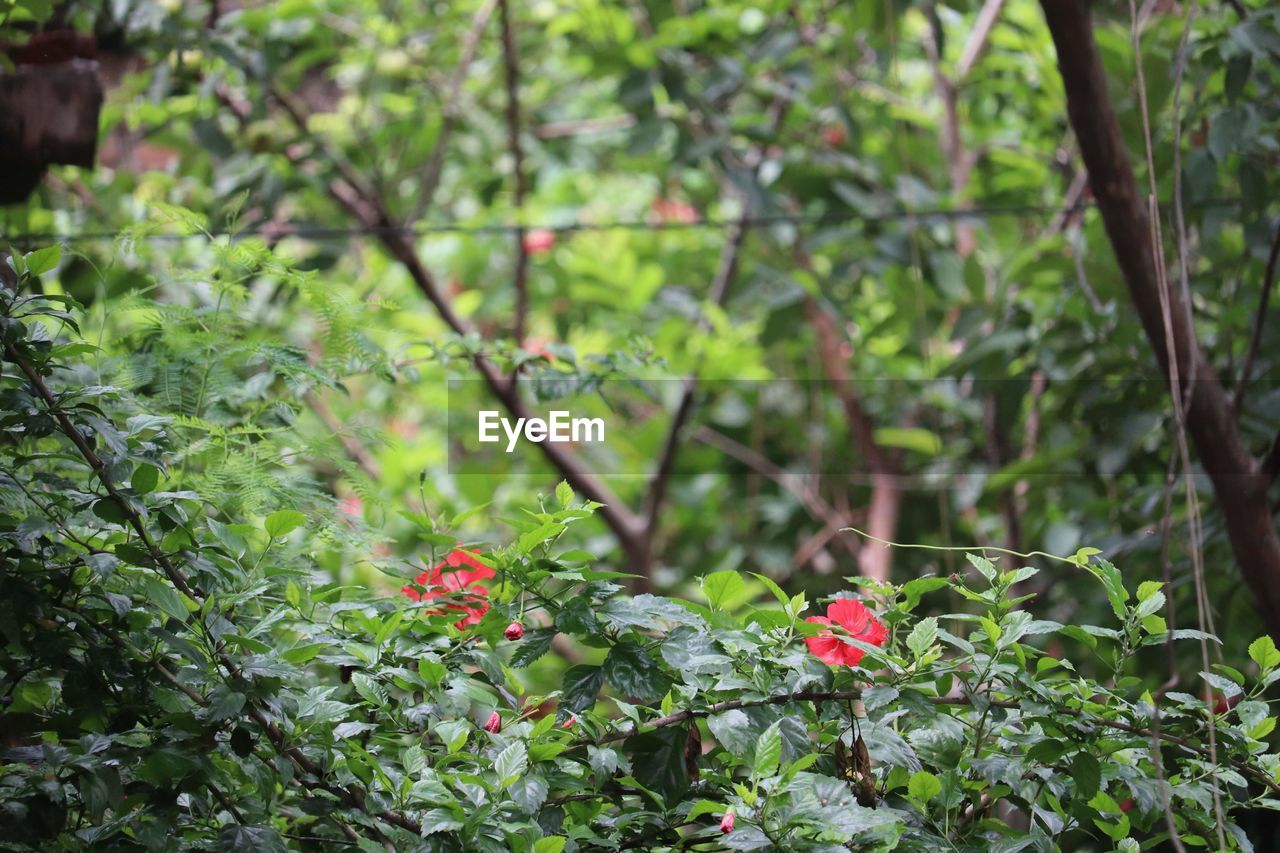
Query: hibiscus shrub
{"type": "Point", "coordinates": [173, 677]}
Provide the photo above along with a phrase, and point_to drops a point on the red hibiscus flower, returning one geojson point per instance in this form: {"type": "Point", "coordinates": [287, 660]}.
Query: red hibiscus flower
{"type": "Point", "coordinates": [854, 617]}
{"type": "Point", "coordinates": [453, 578]}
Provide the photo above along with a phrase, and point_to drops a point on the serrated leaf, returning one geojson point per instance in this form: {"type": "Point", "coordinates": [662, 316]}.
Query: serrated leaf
{"type": "Point", "coordinates": [581, 685]}
{"type": "Point", "coordinates": [1263, 652]}
{"type": "Point", "coordinates": [510, 763]}
{"type": "Point", "coordinates": [42, 260]}
{"type": "Point", "coordinates": [632, 672]}
{"type": "Point", "coordinates": [923, 786]}
{"type": "Point", "coordinates": [923, 636]}
{"type": "Point", "coordinates": [768, 753]}
{"type": "Point", "coordinates": [535, 644]}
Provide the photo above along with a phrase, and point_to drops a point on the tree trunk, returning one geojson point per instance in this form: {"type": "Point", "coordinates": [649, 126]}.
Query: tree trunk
{"type": "Point", "coordinates": [1239, 480]}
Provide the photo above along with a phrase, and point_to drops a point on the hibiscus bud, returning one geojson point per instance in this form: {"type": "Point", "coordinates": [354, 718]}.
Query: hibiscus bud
{"type": "Point", "coordinates": [726, 822]}
{"type": "Point", "coordinates": [514, 631]}
{"type": "Point", "coordinates": [569, 723]}
{"type": "Point", "coordinates": [955, 578]}
{"type": "Point", "coordinates": [493, 725]}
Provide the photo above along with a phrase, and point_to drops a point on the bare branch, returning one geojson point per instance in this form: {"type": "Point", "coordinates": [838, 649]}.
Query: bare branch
{"type": "Point", "coordinates": [978, 38]}
{"type": "Point", "coordinates": [886, 488]}
{"type": "Point", "coordinates": [717, 294]}
{"type": "Point", "coordinates": [512, 77]}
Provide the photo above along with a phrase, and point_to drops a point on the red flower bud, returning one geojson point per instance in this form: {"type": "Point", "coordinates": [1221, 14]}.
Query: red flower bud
{"type": "Point", "coordinates": [494, 724]}
{"type": "Point", "coordinates": [514, 631]}
{"type": "Point", "coordinates": [569, 723]}
{"type": "Point", "coordinates": [1126, 805]}
{"type": "Point", "coordinates": [726, 822]}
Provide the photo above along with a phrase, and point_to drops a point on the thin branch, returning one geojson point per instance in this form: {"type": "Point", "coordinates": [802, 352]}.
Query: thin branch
{"type": "Point", "coordinates": [717, 294]}
{"type": "Point", "coordinates": [435, 160]}
{"type": "Point", "coordinates": [792, 483]}
{"type": "Point", "coordinates": [719, 707]}
{"type": "Point", "coordinates": [886, 485]}
{"type": "Point", "coordinates": [978, 39]}
{"type": "Point", "coordinates": [512, 78]}
{"type": "Point", "coordinates": [1259, 320]}
{"type": "Point", "coordinates": [559, 129]}
{"type": "Point", "coordinates": [357, 451]}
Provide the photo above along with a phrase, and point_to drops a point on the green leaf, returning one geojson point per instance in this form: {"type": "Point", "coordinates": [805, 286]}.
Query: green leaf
{"type": "Point", "coordinates": [1117, 595]}
{"type": "Point", "coordinates": [145, 478]}
{"type": "Point", "coordinates": [535, 644]}
{"type": "Point", "coordinates": [922, 636]}
{"type": "Point", "coordinates": [917, 439]}
{"type": "Point", "coordinates": [1264, 653]}
{"type": "Point", "coordinates": [658, 761]}
{"type": "Point", "coordinates": [510, 763]}
{"type": "Point", "coordinates": [249, 839]}
{"type": "Point", "coordinates": [633, 672]}
{"type": "Point", "coordinates": [721, 587]}
{"type": "Point", "coordinates": [282, 522]}
{"type": "Point", "coordinates": [1087, 774]}
{"type": "Point", "coordinates": [924, 786]}
{"type": "Point", "coordinates": [912, 591]}
{"type": "Point", "coordinates": [166, 598]}
{"type": "Point", "coordinates": [984, 566]}
{"type": "Point", "coordinates": [773, 587]}
{"type": "Point", "coordinates": [42, 260]}
{"type": "Point", "coordinates": [581, 685]}
{"type": "Point", "coordinates": [224, 703]}
{"type": "Point", "coordinates": [768, 753]}
{"type": "Point", "coordinates": [550, 844]}
{"type": "Point", "coordinates": [564, 494]}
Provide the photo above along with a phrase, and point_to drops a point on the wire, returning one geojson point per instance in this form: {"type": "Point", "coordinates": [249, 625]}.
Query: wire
{"type": "Point", "coordinates": [319, 232]}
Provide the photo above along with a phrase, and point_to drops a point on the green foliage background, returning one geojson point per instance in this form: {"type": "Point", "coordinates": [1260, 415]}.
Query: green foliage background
{"type": "Point", "coordinates": [235, 306]}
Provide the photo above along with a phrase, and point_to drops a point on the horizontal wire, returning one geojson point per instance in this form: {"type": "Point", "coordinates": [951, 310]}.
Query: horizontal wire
{"type": "Point", "coordinates": [318, 232]}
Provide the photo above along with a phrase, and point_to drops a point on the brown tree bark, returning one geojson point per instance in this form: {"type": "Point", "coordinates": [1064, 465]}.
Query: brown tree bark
{"type": "Point", "coordinates": [1239, 479]}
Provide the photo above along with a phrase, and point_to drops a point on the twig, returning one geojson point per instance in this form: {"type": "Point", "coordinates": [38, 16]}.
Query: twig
{"type": "Point", "coordinates": [357, 451]}
{"type": "Point", "coordinates": [978, 38]}
{"type": "Point", "coordinates": [792, 483]}
{"type": "Point", "coordinates": [512, 77]}
{"type": "Point", "coordinates": [886, 485]}
{"type": "Point", "coordinates": [435, 160]}
{"type": "Point", "coordinates": [719, 707]}
{"type": "Point", "coordinates": [717, 294]}
{"type": "Point", "coordinates": [1180, 405]}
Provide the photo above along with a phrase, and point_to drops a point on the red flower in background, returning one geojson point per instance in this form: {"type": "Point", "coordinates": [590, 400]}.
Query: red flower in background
{"type": "Point", "coordinates": [539, 241]}
{"type": "Point", "coordinates": [854, 617]}
{"type": "Point", "coordinates": [453, 577]}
